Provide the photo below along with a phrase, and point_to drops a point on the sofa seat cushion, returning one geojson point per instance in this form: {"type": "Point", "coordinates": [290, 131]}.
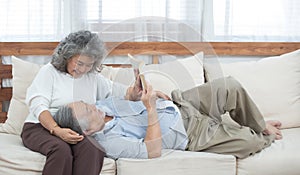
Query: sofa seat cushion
{"type": "Point", "coordinates": [179, 162]}
{"type": "Point", "coordinates": [282, 157]}
{"type": "Point", "coordinates": [15, 159]}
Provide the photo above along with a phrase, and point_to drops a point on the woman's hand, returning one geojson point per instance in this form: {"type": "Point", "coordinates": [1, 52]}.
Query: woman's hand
{"type": "Point", "coordinates": [68, 135]}
{"type": "Point", "coordinates": [65, 134]}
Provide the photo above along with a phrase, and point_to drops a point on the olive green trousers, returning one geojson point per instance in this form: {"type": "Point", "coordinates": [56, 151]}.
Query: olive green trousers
{"type": "Point", "coordinates": [202, 110]}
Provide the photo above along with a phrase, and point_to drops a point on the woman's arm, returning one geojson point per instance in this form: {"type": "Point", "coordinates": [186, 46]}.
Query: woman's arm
{"type": "Point", "coordinates": [65, 134]}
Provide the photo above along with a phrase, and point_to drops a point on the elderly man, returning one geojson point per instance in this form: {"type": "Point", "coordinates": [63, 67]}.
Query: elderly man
{"type": "Point", "coordinates": [193, 121]}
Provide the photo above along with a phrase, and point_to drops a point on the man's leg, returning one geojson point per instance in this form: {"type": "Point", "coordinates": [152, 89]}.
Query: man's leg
{"type": "Point", "coordinates": [212, 100]}
{"type": "Point", "coordinates": [226, 94]}
{"type": "Point", "coordinates": [238, 141]}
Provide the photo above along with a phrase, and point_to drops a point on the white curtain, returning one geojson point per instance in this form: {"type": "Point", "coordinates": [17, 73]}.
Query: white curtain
{"type": "Point", "coordinates": [256, 20]}
{"type": "Point", "coordinates": [155, 20]}
{"type": "Point", "coordinates": [40, 20]}
{"type": "Point", "coordinates": [152, 20]}
{"type": "Point", "coordinates": [117, 20]}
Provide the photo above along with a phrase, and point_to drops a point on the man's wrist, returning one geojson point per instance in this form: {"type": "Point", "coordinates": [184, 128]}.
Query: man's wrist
{"type": "Point", "coordinates": [151, 109]}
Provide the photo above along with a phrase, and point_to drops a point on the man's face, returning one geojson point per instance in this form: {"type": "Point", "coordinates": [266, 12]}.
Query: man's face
{"type": "Point", "coordinates": [86, 112]}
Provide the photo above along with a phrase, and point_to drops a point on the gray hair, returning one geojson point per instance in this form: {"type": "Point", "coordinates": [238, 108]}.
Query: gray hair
{"type": "Point", "coordinates": [79, 43]}
{"type": "Point", "coordinates": [65, 118]}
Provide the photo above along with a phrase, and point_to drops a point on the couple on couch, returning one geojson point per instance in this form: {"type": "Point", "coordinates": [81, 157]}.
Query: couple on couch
{"type": "Point", "coordinates": [130, 128]}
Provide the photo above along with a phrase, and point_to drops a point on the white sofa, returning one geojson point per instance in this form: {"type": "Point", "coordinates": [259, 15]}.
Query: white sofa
{"type": "Point", "coordinates": [273, 83]}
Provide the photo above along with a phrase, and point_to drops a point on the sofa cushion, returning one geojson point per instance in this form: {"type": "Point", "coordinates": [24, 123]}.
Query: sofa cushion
{"type": "Point", "coordinates": [180, 74]}
{"type": "Point", "coordinates": [282, 157]}
{"type": "Point", "coordinates": [273, 83]}
{"type": "Point", "coordinates": [23, 73]}
{"type": "Point", "coordinates": [179, 162]}
{"type": "Point", "coordinates": [121, 75]}
{"type": "Point", "coordinates": [15, 159]}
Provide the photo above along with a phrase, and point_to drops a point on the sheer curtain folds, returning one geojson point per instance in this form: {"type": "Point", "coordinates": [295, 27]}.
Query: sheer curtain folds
{"type": "Point", "coordinates": [40, 20]}
{"type": "Point", "coordinates": [257, 20]}
{"type": "Point", "coordinates": [144, 20]}
{"type": "Point", "coordinates": [152, 20]}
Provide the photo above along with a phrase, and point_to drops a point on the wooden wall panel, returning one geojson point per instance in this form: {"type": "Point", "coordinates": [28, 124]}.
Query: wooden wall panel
{"type": "Point", "coordinates": [209, 48]}
{"type": "Point", "coordinates": [158, 48]}
{"type": "Point", "coordinates": [27, 48]}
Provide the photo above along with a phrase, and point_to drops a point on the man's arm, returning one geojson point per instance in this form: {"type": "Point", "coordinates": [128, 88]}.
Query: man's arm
{"type": "Point", "coordinates": [152, 139]}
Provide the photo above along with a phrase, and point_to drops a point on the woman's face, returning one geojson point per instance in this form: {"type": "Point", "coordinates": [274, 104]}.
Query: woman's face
{"type": "Point", "coordinates": [79, 65]}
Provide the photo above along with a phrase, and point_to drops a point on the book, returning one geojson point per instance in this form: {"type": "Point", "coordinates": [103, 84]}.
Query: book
{"type": "Point", "coordinates": [136, 63]}
{"type": "Point", "coordinates": [143, 81]}
{"type": "Point", "coordinates": [137, 66]}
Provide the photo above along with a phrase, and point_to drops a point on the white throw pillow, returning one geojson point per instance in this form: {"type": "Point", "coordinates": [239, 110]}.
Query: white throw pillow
{"type": "Point", "coordinates": [121, 75]}
{"type": "Point", "coordinates": [23, 73]}
{"type": "Point", "coordinates": [180, 74]}
{"type": "Point", "coordinates": [273, 83]}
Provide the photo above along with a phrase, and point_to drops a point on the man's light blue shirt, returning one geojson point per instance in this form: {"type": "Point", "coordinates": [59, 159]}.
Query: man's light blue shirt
{"type": "Point", "coordinates": [123, 137]}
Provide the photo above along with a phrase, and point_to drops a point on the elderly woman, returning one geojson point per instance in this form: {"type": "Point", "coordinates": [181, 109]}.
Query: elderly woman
{"type": "Point", "coordinates": [71, 76]}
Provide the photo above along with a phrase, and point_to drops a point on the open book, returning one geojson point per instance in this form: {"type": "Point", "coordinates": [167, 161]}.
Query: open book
{"type": "Point", "coordinates": [137, 66]}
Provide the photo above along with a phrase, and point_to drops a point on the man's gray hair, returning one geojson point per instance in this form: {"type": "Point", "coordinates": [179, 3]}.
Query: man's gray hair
{"type": "Point", "coordinates": [65, 118]}
{"type": "Point", "coordinates": [79, 43]}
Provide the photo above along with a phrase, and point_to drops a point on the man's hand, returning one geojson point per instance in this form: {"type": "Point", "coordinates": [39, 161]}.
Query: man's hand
{"type": "Point", "coordinates": [162, 95]}
{"type": "Point", "coordinates": [134, 93]}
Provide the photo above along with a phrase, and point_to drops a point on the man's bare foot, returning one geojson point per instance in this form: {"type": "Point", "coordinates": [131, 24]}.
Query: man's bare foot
{"type": "Point", "coordinates": [272, 127]}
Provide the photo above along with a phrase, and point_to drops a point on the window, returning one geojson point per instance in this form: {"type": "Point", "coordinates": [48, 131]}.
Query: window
{"type": "Point", "coordinates": [145, 20]}
{"type": "Point", "coordinates": [271, 20]}
{"type": "Point", "coordinates": [152, 20]}
{"type": "Point", "coordinates": [119, 10]}
{"type": "Point", "coordinates": [34, 19]}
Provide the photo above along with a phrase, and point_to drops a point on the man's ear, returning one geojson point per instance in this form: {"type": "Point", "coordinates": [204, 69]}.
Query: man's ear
{"type": "Point", "coordinates": [83, 124]}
